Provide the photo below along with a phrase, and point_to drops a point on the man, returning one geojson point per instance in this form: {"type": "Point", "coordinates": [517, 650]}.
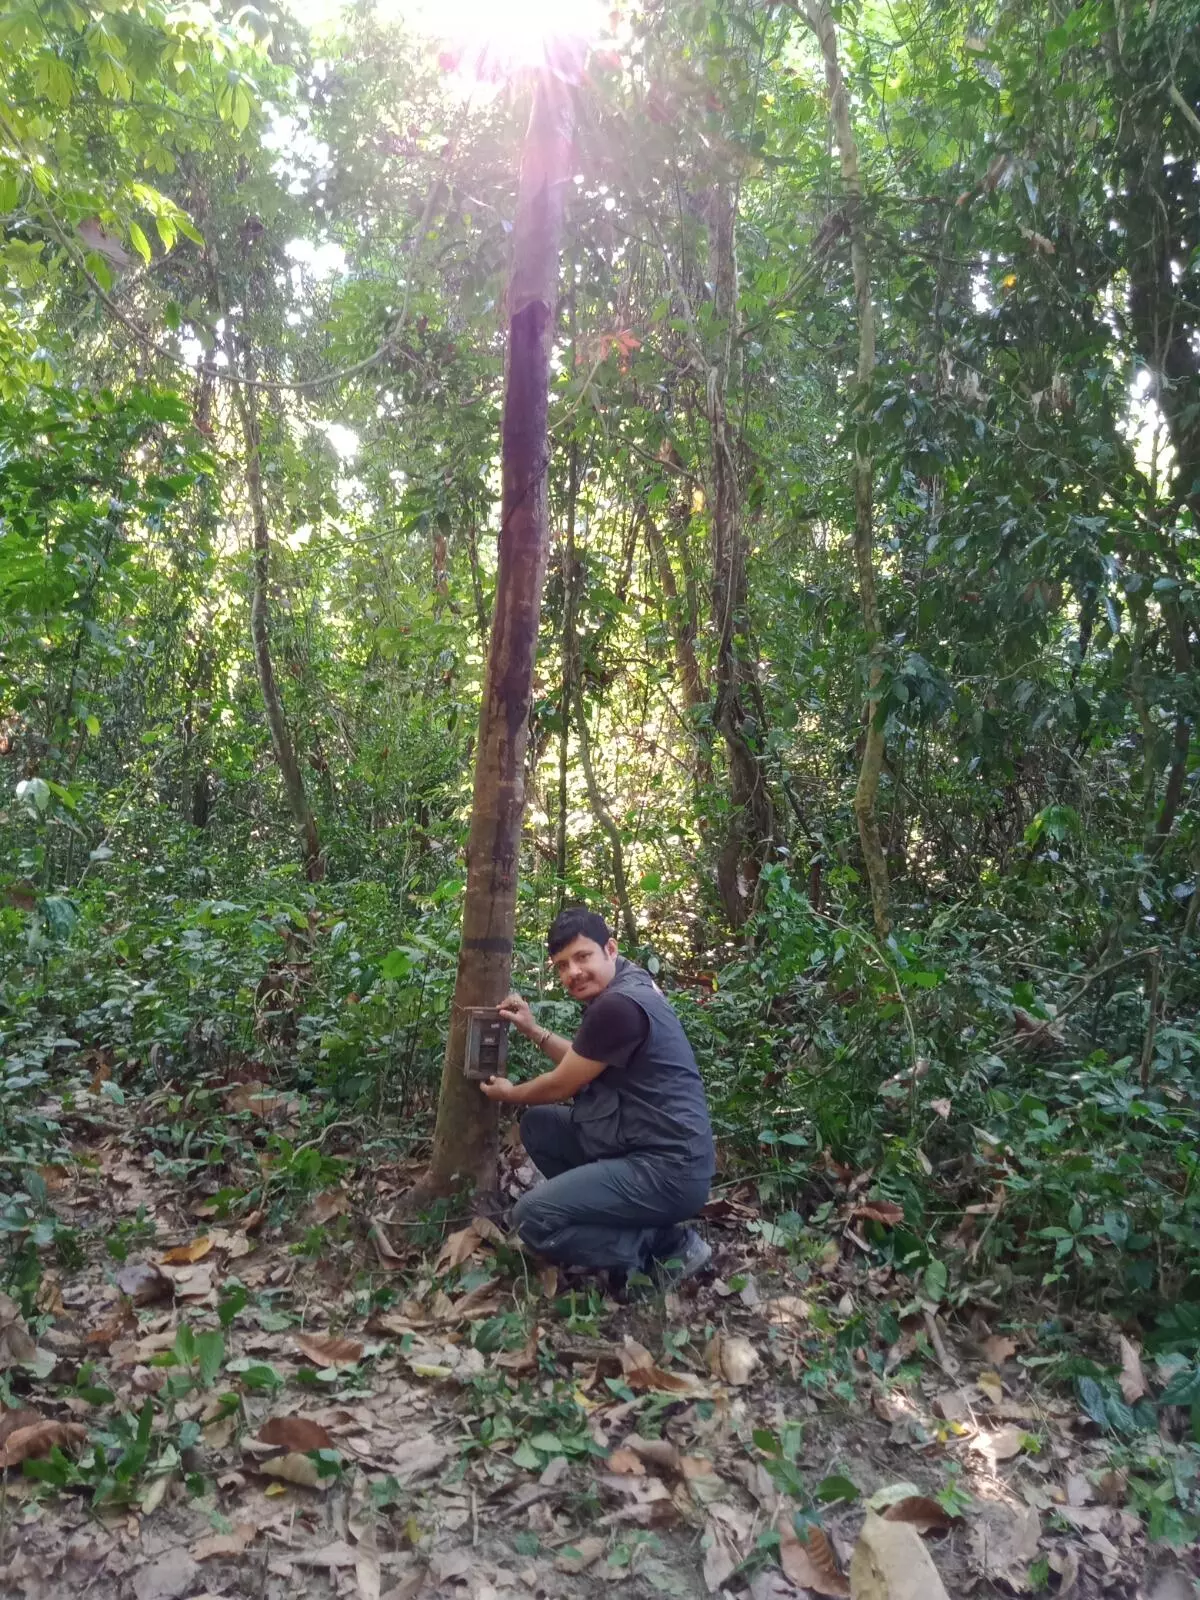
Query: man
{"type": "Point", "coordinates": [631, 1158]}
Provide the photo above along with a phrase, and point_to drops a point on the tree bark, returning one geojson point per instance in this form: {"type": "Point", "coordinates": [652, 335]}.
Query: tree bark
{"type": "Point", "coordinates": [465, 1136]}
{"type": "Point", "coordinates": [752, 824]}
{"type": "Point", "coordinates": [866, 792]}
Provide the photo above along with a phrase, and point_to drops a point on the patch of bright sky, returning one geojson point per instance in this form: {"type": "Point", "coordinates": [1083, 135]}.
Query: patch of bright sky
{"type": "Point", "coordinates": [512, 34]}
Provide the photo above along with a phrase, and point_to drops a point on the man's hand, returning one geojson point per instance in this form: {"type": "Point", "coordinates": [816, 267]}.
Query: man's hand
{"type": "Point", "coordinates": [516, 1010]}
{"type": "Point", "coordinates": [500, 1089]}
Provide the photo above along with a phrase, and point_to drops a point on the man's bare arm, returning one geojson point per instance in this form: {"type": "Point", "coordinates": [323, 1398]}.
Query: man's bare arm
{"type": "Point", "coordinates": [517, 1011]}
{"type": "Point", "coordinates": [566, 1080]}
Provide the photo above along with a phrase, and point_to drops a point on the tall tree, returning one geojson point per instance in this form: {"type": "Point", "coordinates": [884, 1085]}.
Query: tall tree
{"type": "Point", "coordinates": [820, 20]}
{"type": "Point", "coordinates": [465, 1135]}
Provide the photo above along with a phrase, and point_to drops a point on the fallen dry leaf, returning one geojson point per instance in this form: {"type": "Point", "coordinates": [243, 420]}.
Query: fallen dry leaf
{"type": "Point", "coordinates": [296, 1467]}
{"type": "Point", "coordinates": [17, 1349]}
{"type": "Point", "coordinates": [891, 1563]}
{"type": "Point", "coordinates": [366, 1564]}
{"type": "Point", "coordinates": [999, 1444]}
{"type": "Point", "coordinates": [626, 1462]}
{"type": "Point", "coordinates": [732, 1358]}
{"type": "Point", "coordinates": [326, 1350]}
{"type": "Point", "coordinates": [658, 1453]}
{"type": "Point", "coordinates": [991, 1386]}
{"type": "Point", "coordinates": [120, 1323]}
{"type": "Point", "coordinates": [294, 1433]}
{"type": "Point", "coordinates": [523, 1360]}
{"type": "Point", "coordinates": [38, 1439]}
{"type": "Point", "coordinates": [921, 1513]}
{"type": "Point", "coordinates": [810, 1562]}
{"type": "Point", "coordinates": [1132, 1379]}
{"type": "Point", "coordinates": [728, 1535]}
{"type": "Point", "coordinates": [389, 1258]}
{"type": "Point", "coordinates": [461, 1246]}
{"type": "Point", "coordinates": [642, 1375]}
{"type": "Point", "coordinates": [19, 1417]}
{"type": "Point", "coordinates": [885, 1211]}
{"type": "Point", "coordinates": [143, 1284]}
{"type": "Point", "coordinates": [332, 1203]}
{"type": "Point", "coordinates": [580, 1556]}
{"type": "Point", "coordinates": [186, 1255]}
{"type": "Point", "coordinates": [225, 1544]}
{"type": "Point", "coordinates": [1004, 1540]}
{"type": "Point", "coordinates": [998, 1348]}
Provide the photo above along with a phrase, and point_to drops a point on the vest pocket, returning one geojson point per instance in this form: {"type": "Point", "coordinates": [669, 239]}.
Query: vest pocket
{"type": "Point", "coordinates": [596, 1118]}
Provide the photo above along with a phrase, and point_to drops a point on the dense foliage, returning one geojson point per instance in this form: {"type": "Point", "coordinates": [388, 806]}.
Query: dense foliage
{"type": "Point", "coordinates": [203, 211]}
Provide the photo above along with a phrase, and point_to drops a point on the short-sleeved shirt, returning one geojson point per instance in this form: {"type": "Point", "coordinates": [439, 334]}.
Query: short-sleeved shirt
{"type": "Point", "coordinates": [613, 1029]}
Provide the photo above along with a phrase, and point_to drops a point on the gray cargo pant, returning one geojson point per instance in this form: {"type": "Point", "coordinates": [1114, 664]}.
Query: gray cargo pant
{"type": "Point", "coordinates": [623, 1212]}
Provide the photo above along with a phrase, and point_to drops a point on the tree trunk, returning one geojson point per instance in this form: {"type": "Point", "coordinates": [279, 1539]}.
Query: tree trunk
{"type": "Point", "coordinates": [752, 823]}
{"type": "Point", "coordinates": [246, 401]}
{"type": "Point", "coordinates": [608, 827]}
{"type": "Point", "coordinates": [465, 1137]}
{"type": "Point", "coordinates": [820, 19]}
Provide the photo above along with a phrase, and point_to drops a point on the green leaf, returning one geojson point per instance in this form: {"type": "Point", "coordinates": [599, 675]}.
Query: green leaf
{"type": "Point", "coordinates": [210, 1353]}
{"type": "Point", "coordinates": [549, 1442]}
{"type": "Point", "coordinates": [140, 242]}
{"type": "Point", "coordinates": [395, 965]}
{"type": "Point", "coordinates": [836, 1488]}
{"type": "Point", "coordinates": [526, 1456]}
{"type": "Point", "coordinates": [935, 1281]}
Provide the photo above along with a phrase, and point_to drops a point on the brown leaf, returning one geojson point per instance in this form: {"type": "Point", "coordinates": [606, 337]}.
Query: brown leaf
{"type": "Point", "coordinates": [732, 1358]}
{"type": "Point", "coordinates": [38, 1439]}
{"type": "Point", "coordinates": [225, 1544]}
{"type": "Point", "coordinates": [143, 1284]}
{"type": "Point", "coordinates": [659, 1453]}
{"type": "Point", "coordinates": [295, 1467]}
{"type": "Point", "coordinates": [389, 1259]}
{"type": "Point", "coordinates": [21, 1417]}
{"type": "Point", "coordinates": [921, 1513]}
{"type": "Point", "coordinates": [891, 1563]}
{"type": "Point", "coordinates": [991, 1386]}
{"type": "Point", "coordinates": [461, 1246]}
{"type": "Point", "coordinates": [626, 1462]}
{"type": "Point", "coordinates": [1132, 1379]}
{"type": "Point", "coordinates": [998, 1348]}
{"type": "Point", "coordinates": [294, 1433]}
{"type": "Point", "coordinates": [643, 1376]}
{"type": "Point", "coordinates": [1004, 1540]}
{"type": "Point", "coordinates": [885, 1211]}
{"type": "Point", "coordinates": [523, 1360]}
{"type": "Point", "coordinates": [1000, 1444]}
{"type": "Point", "coordinates": [332, 1203]}
{"type": "Point", "coordinates": [548, 1281]}
{"type": "Point", "coordinates": [325, 1350]}
{"type": "Point", "coordinates": [16, 1347]}
{"type": "Point", "coordinates": [810, 1562]}
{"type": "Point", "coordinates": [185, 1255]}
{"type": "Point", "coordinates": [580, 1556]}
{"type": "Point", "coordinates": [366, 1564]}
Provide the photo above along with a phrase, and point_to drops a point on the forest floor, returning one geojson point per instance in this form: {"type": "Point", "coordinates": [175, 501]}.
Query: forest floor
{"type": "Point", "coordinates": [301, 1400]}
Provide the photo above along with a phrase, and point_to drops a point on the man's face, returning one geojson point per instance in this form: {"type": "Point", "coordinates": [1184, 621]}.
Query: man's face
{"type": "Point", "coordinates": [585, 968]}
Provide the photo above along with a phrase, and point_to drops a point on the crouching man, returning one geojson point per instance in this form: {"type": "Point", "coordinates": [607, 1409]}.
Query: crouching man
{"type": "Point", "coordinates": [631, 1158]}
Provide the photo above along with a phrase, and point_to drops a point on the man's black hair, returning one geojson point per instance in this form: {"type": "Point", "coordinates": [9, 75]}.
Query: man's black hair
{"type": "Point", "coordinates": [573, 923]}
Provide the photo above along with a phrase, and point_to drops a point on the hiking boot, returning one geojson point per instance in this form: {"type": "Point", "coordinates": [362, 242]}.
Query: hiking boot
{"type": "Point", "coordinates": [692, 1257]}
